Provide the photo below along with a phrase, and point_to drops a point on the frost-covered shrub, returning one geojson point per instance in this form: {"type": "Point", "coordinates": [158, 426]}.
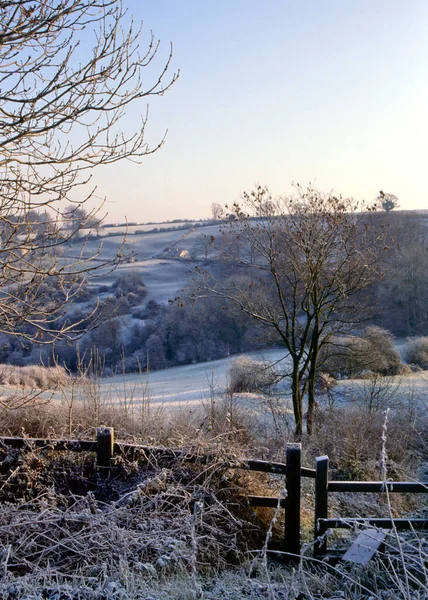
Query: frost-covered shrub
{"type": "Point", "coordinates": [416, 352]}
{"type": "Point", "coordinates": [324, 383]}
{"type": "Point", "coordinates": [353, 356]}
{"type": "Point", "coordinates": [344, 357]}
{"type": "Point", "coordinates": [155, 352]}
{"type": "Point", "coordinates": [31, 376]}
{"type": "Point", "coordinates": [382, 357]}
{"type": "Point", "coordinates": [129, 285]}
{"type": "Point", "coordinates": [249, 375]}
{"type": "Point", "coordinates": [150, 311]}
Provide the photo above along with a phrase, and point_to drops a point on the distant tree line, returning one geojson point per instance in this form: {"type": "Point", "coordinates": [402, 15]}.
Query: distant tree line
{"type": "Point", "coordinates": [401, 297]}
{"type": "Point", "coordinates": [161, 336]}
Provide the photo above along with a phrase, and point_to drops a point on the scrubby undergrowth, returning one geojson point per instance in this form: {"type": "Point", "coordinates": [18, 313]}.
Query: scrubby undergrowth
{"type": "Point", "coordinates": [31, 376]}
{"type": "Point", "coordinates": [158, 530]}
{"type": "Point", "coordinates": [146, 522]}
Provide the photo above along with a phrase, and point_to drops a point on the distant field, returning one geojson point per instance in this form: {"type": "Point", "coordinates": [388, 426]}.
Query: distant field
{"type": "Point", "coordinates": [155, 255]}
{"type": "Point", "coordinates": [114, 230]}
{"type": "Point", "coordinates": [131, 229]}
{"type": "Point", "coordinates": [188, 384]}
{"type": "Point", "coordinates": [163, 244]}
{"type": "Point", "coordinates": [163, 278]}
{"type": "Point", "coordinates": [145, 246]}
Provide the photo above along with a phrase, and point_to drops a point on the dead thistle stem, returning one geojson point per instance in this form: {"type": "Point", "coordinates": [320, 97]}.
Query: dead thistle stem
{"type": "Point", "coordinates": [282, 496]}
{"type": "Point", "coordinates": [268, 537]}
{"type": "Point", "coordinates": [211, 409]}
{"type": "Point", "coordinates": [68, 385]}
{"type": "Point", "coordinates": [198, 508]}
{"type": "Point", "coordinates": [145, 396]}
{"type": "Point", "coordinates": [384, 471]}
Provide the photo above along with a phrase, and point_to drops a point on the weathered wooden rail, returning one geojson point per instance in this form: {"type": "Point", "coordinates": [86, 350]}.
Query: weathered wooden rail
{"type": "Point", "coordinates": [323, 486]}
{"type": "Point", "coordinates": [105, 448]}
{"type": "Point", "coordinates": [293, 471]}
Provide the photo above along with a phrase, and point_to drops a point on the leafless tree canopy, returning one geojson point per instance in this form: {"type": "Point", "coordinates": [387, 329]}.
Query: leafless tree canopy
{"type": "Point", "coordinates": [69, 69]}
{"type": "Point", "coordinates": [308, 259]}
{"type": "Point", "coordinates": [387, 201]}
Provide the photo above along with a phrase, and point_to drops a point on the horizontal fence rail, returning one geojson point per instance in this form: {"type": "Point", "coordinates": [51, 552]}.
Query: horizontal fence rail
{"type": "Point", "coordinates": [266, 501]}
{"type": "Point", "coordinates": [73, 445]}
{"type": "Point", "coordinates": [323, 487]}
{"type": "Point", "coordinates": [271, 467]}
{"type": "Point", "coordinates": [413, 487]}
{"type": "Point", "coordinates": [121, 449]}
{"type": "Point", "coordinates": [372, 522]}
{"type": "Point", "coordinates": [130, 450]}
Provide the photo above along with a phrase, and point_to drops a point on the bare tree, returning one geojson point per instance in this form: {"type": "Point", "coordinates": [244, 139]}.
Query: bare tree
{"type": "Point", "coordinates": [387, 201]}
{"type": "Point", "coordinates": [61, 116]}
{"type": "Point", "coordinates": [216, 210]}
{"type": "Point", "coordinates": [310, 258]}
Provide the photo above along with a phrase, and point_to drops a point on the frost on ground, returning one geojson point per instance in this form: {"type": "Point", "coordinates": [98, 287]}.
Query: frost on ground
{"type": "Point", "coordinates": [68, 533]}
{"type": "Point", "coordinates": [159, 529]}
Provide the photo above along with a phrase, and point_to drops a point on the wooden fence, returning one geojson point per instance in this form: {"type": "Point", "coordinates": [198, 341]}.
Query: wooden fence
{"type": "Point", "coordinates": [292, 470]}
{"type": "Point", "coordinates": [324, 486]}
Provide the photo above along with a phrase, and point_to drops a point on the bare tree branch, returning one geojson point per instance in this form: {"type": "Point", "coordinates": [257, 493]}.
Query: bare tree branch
{"type": "Point", "coordinates": [69, 70]}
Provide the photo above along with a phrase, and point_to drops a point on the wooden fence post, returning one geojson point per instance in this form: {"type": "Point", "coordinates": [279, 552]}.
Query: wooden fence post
{"type": "Point", "coordinates": [321, 504]}
{"type": "Point", "coordinates": [292, 501]}
{"type": "Point", "coordinates": [105, 443]}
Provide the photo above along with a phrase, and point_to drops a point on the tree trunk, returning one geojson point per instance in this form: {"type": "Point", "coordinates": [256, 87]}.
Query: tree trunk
{"type": "Point", "coordinates": [296, 394]}
{"type": "Point", "coordinates": [312, 375]}
{"type": "Point", "coordinates": [311, 404]}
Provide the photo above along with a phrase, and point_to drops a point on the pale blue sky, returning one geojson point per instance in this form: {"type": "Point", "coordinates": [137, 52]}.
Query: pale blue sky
{"type": "Point", "coordinates": [327, 91]}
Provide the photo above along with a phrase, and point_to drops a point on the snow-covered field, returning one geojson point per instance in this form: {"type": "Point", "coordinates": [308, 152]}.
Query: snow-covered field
{"type": "Point", "coordinates": [162, 244]}
{"type": "Point", "coordinates": [163, 278]}
{"type": "Point", "coordinates": [131, 229]}
{"type": "Point", "coordinates": [155, 255]}
{"type": "Point", "coordinates": [191, 385]}
{"type": "Point", "coordinates": [187, 385]}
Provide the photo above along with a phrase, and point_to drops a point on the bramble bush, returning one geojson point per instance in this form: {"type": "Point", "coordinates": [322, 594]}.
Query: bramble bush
{"type": "Point", "coordinates": [249, 375]}
{"type": "Point", "coordinates": [416, 352]}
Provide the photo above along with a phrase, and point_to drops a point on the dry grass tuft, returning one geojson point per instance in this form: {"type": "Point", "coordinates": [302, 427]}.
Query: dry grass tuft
{"type": "Point", "coordinates": [33, 377]}
{"type": "Point", "coordinates": [152, 519]}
